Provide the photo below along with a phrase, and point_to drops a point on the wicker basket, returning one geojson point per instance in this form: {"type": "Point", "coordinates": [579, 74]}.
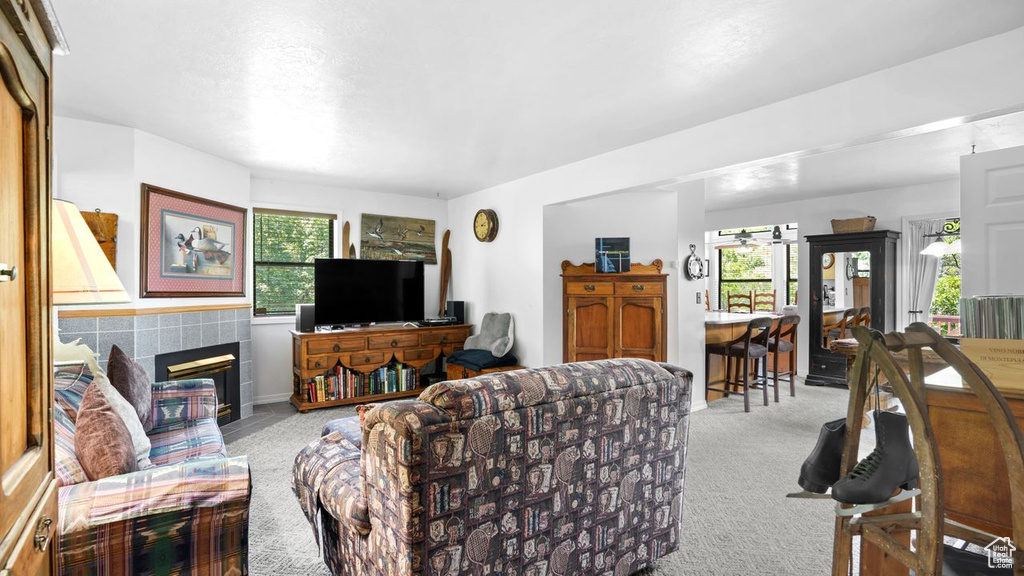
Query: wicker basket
{"type": "Point", "coordinates": [865, 224]}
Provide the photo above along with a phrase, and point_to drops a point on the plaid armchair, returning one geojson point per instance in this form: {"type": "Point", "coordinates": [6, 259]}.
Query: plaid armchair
{"type": "Point", "coordinates": [189, 514]}
{"type": "Point", "coordinates": [568, 470]}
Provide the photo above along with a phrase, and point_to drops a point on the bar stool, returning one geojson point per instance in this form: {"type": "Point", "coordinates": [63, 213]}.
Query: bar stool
{"type": "Point", "coordinates": [752, 345]}
{"type": "Point", "coordinates": [783, 341]}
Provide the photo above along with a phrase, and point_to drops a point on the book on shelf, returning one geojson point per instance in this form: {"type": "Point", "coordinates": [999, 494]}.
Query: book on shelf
{"type": "Point", "coordinates": [341, 383]}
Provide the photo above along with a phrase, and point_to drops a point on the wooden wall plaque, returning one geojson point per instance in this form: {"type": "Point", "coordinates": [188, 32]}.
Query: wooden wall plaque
{"type": "Point", "coordinates": [104, 227]}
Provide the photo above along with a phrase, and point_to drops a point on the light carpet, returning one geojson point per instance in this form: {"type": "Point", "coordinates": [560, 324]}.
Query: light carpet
{"type": "Point", "coordinates": [736, 519]}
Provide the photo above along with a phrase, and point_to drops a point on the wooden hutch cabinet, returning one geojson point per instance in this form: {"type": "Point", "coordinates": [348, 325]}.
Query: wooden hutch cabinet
{"type": "Point", "coordinates": [619, 315]}
{"type": "Point", "coordinates": [875, 286]}
{"type": "Point", "coordinates": [28, 498]}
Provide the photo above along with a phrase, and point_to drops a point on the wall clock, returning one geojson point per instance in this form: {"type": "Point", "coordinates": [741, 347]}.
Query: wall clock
{"type": "Point", "coordinates": [828, 260]}
{"type": "Point", "coordinates": [694, 265]}
{"type": "Point", "coordinates": [485, 225]}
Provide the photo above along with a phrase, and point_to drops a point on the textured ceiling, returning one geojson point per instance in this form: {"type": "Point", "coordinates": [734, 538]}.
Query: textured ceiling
{"type": "Point", "coordinates": [452, 96]}
{"type": "Point", "coordinates": [928, 157]}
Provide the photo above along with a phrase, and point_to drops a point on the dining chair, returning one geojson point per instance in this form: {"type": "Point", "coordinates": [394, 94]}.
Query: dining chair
{"type": "Point", "coordinates": [764, 301]}
{"type": "Point", "coordinates": [838, 330]}
{"type": "Point", "coordinates": [864, 317]}
{"type": "Point", "coordinates": [740, 302]}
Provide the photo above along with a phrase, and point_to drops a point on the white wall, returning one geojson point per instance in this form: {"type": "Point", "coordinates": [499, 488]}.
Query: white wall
{"type": "Point", "coordinates": [272, 353]}
{"type": "Point", "coordinates": [103, 166]}
{"type": "Point", "coordinates": [690, 218]}
{"type": "Point", "coordinates": [508, 273]}
{"type": "Point", "coordinates": [661, 223]}
{"type": "Point", "coordinates": [814, 216]}
{"type": "Point", "coordinates": [647, 218]}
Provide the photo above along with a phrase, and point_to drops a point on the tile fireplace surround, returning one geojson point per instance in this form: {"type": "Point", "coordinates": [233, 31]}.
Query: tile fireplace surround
{"type": "Point", "coordinates": [142, 336]}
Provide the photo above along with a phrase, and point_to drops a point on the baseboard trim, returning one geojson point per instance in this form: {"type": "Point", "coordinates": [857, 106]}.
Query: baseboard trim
{"type": "Point", "coordinates": [698, 405]}
{"type": "Point", "coordinates": [271, 398]}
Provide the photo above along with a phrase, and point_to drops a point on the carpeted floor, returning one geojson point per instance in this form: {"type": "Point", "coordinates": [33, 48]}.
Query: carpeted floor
{"type": "Point", "coordinates": [736, 517]}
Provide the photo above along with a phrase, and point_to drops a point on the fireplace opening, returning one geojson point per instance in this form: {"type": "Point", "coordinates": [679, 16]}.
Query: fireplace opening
{"type": "Point", "coordinates": [218, 363]}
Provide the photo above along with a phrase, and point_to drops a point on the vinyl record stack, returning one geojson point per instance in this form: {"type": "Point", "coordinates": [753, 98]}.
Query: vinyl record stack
{"type": "Point", "coordinates": [997, 317]}
{"type": "Point", "coordinates": [993, 329]}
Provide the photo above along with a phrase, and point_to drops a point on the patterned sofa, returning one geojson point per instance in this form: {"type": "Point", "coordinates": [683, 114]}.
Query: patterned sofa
{"type": "Point", "coordinates": [572, 469]}
{"type": "Point", "coordinates": [189, 514]}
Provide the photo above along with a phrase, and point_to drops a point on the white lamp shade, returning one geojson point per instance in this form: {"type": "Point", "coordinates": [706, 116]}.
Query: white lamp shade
{"type": "Point", "coordinates": [81, 272]}
{"type": "Point", "coordinates": [937, 248]}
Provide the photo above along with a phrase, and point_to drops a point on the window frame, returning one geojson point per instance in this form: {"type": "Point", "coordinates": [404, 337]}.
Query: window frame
{"type": "Point", "coordinates": [790, 279]}
{"type": "Point", "coordinates": [295, 213]}
{"type": "Point", "coordinates": [722, 298]}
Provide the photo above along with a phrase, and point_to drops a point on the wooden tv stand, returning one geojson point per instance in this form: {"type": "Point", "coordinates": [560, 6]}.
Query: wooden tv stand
{"type": "Point", "coordinates": [365, 350]}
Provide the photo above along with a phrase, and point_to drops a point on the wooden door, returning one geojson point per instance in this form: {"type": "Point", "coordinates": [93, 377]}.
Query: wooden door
{"type": "Point", "coordinates": [28, 495]}
{"type": "Point", "coordinates": [589, 328]}
{"type": "Point", "coordinates": [638, 330]}
{"type": "Point", "coordinates": [861, 292]}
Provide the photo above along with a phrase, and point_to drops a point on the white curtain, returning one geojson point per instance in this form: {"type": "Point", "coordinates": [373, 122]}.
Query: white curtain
{"type": "Point", "coordinates": [923, 270]}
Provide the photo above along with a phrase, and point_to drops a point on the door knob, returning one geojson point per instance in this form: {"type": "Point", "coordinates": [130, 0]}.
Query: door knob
{"type": "Point", "coordinates": [8, 274]}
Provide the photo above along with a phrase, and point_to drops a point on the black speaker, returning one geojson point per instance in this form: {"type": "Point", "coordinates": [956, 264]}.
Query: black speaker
{"type": "Point", "coordinates": [304, 321]}
{"type": "Point", "coordinates": [456, 308]}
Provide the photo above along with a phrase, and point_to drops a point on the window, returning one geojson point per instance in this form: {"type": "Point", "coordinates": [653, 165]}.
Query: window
{"type": "Point", "coordinates": [792, 253]}
{"type": "Point", "coordinates": [945, 307]}
{"type": "Point", "coordinates": [741, 271]}
{"type": "Point", "coordinates": [285, 245]}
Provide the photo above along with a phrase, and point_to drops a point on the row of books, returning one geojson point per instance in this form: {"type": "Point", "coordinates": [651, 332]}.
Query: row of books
{"type": "Point", "coordinates": [340, 382]}
{"type": "Point", "coordinates": [998, 317]}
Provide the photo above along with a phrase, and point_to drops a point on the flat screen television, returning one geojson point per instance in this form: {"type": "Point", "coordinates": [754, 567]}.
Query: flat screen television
{"type": "Point", "coordinates": [366, 291]}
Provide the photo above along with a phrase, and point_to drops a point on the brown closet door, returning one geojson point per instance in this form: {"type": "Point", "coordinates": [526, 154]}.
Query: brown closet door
{"type": "Point", "coordinates": [27, 497]}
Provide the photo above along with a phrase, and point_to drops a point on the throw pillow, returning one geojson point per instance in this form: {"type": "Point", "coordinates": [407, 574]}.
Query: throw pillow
{"type": "Point", "coordinates": [131, 380]}
{"type": "Point", "coordinates": [102, 441]}
{"type": "Point", "coordinates": [131, 421]}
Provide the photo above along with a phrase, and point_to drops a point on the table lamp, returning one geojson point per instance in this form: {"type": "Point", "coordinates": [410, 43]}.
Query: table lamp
{"type": "Point", "coordinates": [81, 272]}
{"type": "Point", "coordinates": [81, 275]}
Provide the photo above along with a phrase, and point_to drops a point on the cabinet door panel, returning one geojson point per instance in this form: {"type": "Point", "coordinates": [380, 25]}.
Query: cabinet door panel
{"type": "Point", "coordinates": [638, 325]}
{"type": "Point", "coordinates": [24, 290]}
{"type": "Point", "coordinates": [590, 329]}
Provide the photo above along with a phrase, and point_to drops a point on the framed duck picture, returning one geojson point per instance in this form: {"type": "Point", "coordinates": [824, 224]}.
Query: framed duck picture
{"type": "Point", "coordinates": [191, 247]}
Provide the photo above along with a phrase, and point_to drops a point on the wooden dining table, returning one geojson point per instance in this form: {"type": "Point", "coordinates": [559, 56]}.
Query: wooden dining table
{"type": "Point", "coordinates": [721, 327]}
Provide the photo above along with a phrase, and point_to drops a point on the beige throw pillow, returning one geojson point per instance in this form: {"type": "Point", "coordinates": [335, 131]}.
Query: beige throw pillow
{"type": "Point", "coordinates": [102, 441]}
{"type": "Point", "coordinates": [130, 418]}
